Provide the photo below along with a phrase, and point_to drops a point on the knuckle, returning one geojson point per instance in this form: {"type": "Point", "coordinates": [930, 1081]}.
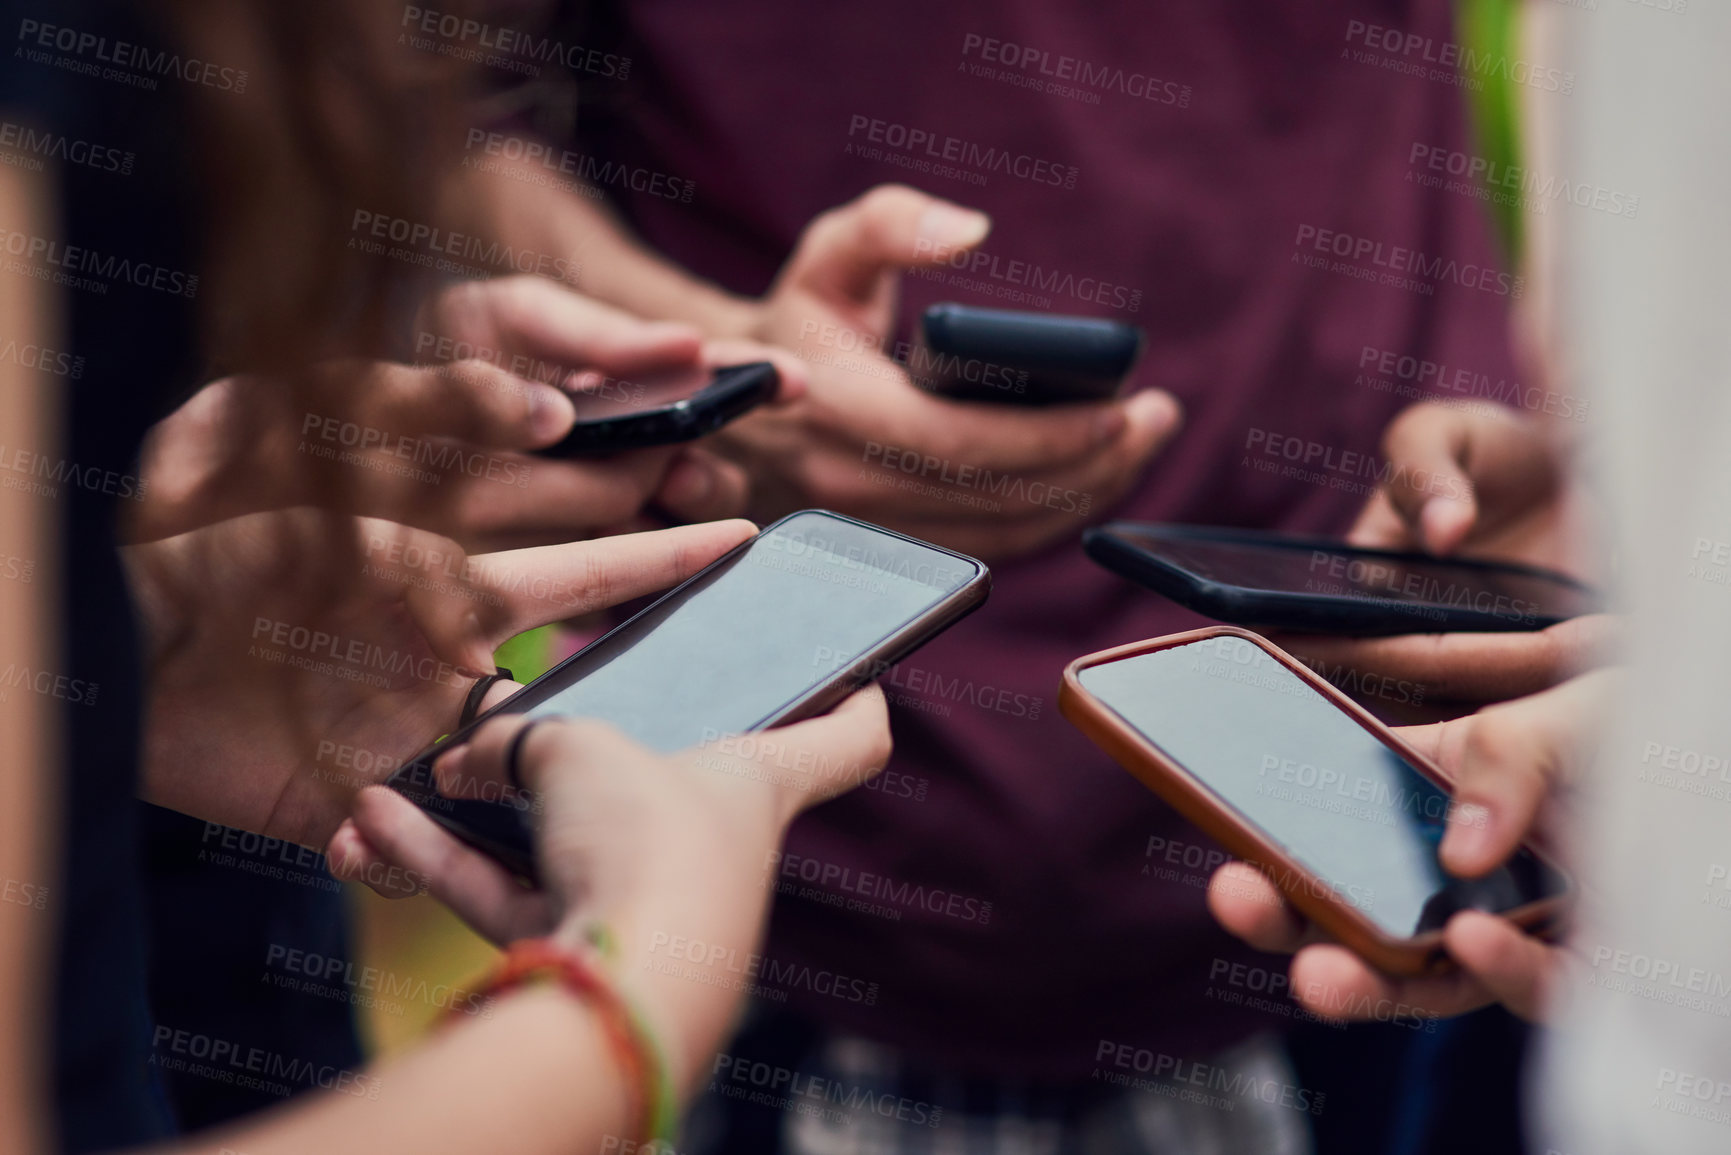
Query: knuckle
{"type": "Point", "coordinates": [887, 199]}
{"type": "Point", "coordinates": [1490, 739]}
{"type": "Point", "coordinates": [466, 295]}
{"type": "Point", "coordinates": [598, 583]}
{"type": "Point", "coordinates": [479, 376]}
{"type": "Point", "coordinates": [826, 229]}
{"type": "Point", "coordinates": [879, 746]}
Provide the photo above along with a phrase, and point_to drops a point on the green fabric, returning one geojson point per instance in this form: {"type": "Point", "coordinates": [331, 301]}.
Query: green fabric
{"type": "Point", "coordinates": [1491, 30]}
{"type": "Point", "coordinates": [527, 656]}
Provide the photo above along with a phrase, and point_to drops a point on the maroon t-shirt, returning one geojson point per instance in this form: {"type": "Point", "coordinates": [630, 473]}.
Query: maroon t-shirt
{"type": "Point", "coordinates": [1238, 179]}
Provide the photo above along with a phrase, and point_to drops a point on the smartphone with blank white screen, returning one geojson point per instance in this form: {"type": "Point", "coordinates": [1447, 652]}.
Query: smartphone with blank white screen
{"type": "Point", "coordinates": [1289, 774]}
{"type": "Point", "coordinates": [782, 627]}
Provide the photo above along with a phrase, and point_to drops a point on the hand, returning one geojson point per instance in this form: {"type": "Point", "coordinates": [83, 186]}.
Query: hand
{"type": "Point", "coordinates": [444, 446]}
{"type": "Point", "coordinates": [603, 799]}
{"type": "Point", "coordinates": [646, 845]}
{"type": "Point", "coordinates": [297, 657]}
{"type": "Point", "coordinates": [1508, 764]}
{"type": "Point", "coordinates": [539, 329]}
{"type": "Point", "coordinates": [1482, 482]}
{"type": "Point", "coordinates": [994, 481]}
{"type": "Point", "coordinates": [1474, 483]}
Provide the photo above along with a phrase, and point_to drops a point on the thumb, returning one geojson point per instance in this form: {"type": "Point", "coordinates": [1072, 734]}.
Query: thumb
{"type": "Point", "coordinates": [845, 252]}
{"type": "Point", "coordinates": [1444, 522]}
{"type": "Point", "coordinates": [1506, 760]}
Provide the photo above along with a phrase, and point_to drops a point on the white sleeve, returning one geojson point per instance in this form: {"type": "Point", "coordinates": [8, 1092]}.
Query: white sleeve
{"type": "Point", "coordinates": [1639, 1057]}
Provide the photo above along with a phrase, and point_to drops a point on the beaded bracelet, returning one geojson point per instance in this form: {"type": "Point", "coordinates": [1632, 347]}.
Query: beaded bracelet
{"type": "Point", "coordinates": [642, 1062]}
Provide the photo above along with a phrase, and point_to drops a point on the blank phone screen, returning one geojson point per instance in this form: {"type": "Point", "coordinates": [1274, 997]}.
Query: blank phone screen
{"type": "Point", "coordinates": [1356, 815]}
{"type": "Point", "coordinates": [802, 602]}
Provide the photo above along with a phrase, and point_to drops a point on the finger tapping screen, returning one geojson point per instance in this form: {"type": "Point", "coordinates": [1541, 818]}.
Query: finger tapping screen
{"type": "Point", "coordinates": [1348, 808]}
{"type": "Point", "coordinates": [799, 604]}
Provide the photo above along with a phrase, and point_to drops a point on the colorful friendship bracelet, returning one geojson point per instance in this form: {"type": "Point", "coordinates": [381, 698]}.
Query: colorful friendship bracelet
{"type": "Point", "coordinates": [641, 1059]}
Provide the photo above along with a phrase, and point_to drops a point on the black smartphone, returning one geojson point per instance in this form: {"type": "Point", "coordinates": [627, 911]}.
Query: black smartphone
{"type": "Point", "coordinates": [1320, 585]}
{"type": "Point", "coordinates": [1285, 772]}
{"type": "Point", "coordinates": [615, 415]}
{"type": "Point", "coordinates": [1016, 358]}
{"type": "Point", "coordinates": [782, 627]}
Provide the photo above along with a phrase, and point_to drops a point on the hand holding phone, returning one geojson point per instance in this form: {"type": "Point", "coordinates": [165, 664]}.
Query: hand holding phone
{"type": "Point", "coordinates": [615, 415]}
{"type": "Point", "coordinates": [862, 427]}
{"type": "Point", "coordinates": [657, 849]}
{"type": "Point", "coordinates": [779, 629]}
{"type": "Point", "coordinates": [1318, 585]}
{"type": "Point", "coordinates": [1341, 815]}
{"type": "Point", "coordinates": [712, 827]}
{"type": "Point", "coordinates": [1510, 759]}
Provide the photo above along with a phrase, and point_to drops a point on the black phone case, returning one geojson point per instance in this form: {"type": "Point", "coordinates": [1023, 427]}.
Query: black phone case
{"type": "Point", "coordinates": [503, 830]}
{"type": "Point", "coordinates": [1304, 612]}
{"type": "Point", "coordinates": [1066, 359]}
{"type": "Point", "coordinates": [732, 391]}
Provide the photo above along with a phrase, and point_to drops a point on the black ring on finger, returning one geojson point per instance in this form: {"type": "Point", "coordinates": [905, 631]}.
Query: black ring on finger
{"type": "Point", "coordinates": [472, 704]}
{"type": "Point", "coordinates": [516, 748]}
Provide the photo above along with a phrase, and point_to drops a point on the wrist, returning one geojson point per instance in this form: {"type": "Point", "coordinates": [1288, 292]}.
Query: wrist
{"type": "Point", "coordinates": [587, 973]}
{"type": "Point", "coordinates": [676, 1020]}
{"type": "Point", "coordinates": [687, 951]}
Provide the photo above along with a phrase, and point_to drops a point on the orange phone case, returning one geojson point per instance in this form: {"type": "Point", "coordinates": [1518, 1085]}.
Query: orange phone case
{"type": "Point", "coordinates": [1311, 896]}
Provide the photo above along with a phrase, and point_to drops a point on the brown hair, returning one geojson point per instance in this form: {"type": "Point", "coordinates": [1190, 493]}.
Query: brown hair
{"type": "Point", "coordinates": [337, 117]}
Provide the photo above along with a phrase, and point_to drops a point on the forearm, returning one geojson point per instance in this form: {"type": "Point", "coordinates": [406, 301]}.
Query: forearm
{"type": "Point", "coordinates": [30, 777]}
{"type": "Point", "coordinates": [535, 1076]}
{"type": "Point", "coordinates": [515, 202]}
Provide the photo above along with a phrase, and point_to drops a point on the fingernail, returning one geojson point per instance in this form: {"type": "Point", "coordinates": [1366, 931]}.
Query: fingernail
{"type": "Point", "coordinates": [1155, 408]}
{"type": "Point", "coordinates": [1469, 833]}
{"type": "Point", "coordinates": [1109, 425]}
{"type": "Point", "coordinates": [1444, 521]}
{"type": "Point", "coordinates": [582, 381]}
{"type": "Point", "coordinates": [947, 224]}
{"type": "Point", "coordinates": [795, 378]}
{"type": "Point", "coordinates": [550, 413]}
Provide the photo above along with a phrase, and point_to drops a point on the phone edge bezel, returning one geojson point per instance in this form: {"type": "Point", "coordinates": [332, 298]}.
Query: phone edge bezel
{"type": "Point", "coordinates": [1414, 955]}
{"type": "Point", "coordinates": [958, 604]}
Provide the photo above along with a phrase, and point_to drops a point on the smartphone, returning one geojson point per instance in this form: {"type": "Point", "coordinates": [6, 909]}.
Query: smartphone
{"type": "Point", "coordinates": [1286, 772]}
{"type": "Point", "coordinates": [782, 627]}
{"type": "Point", "coordinates": [615, 415]}
{"type": "Point", "coordinates": [1015, 358]}
{"type": "Point", "coordinates": [1320, 585]}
